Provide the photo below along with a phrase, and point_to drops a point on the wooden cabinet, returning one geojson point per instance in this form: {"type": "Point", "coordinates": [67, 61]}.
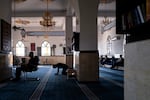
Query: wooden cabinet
{"type": "Point", "coordinates": [6, 63]}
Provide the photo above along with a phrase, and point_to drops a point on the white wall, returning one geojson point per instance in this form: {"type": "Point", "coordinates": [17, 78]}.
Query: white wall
{"type": "Point", "coordinates": [137, 71]}
{"type": "Point", "coordinates": [117, 45]}
{"type": "Point", "coordinates": [5, 10]}
{"type": "Point", "coordinates": [57, 40]}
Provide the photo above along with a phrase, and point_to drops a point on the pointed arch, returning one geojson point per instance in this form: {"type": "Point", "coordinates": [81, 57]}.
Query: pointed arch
{"type": "Point", "coordinates": [109, 45]}
{"type": "Point", "coordinates": [20, 48]}
{"type": "Point", "coordinates": [45, 48]}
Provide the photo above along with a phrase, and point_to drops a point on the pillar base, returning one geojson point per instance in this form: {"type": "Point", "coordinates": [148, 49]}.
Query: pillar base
{"type": "Point", "coordinates": [69, 60]}
{"type": "Point", "coordinates": [88, 69]}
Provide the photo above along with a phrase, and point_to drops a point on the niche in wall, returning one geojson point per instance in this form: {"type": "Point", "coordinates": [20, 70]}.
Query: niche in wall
{"type": "Point", "coordinates": [75, 41]}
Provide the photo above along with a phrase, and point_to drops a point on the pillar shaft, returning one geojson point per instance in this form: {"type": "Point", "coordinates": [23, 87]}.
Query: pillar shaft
{"type": "Point", "coordinates": [86, 60]}
{"type": "Point", "coordinates": [69, 33]}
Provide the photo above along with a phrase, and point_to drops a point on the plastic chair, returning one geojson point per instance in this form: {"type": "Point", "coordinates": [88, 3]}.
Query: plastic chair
{"type": "Point", "coordinates": [26, 71]}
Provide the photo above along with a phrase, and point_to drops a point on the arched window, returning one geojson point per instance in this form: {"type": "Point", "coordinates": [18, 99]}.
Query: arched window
{"type": "Point", "coordinates": [109, 45]}
{"type": "Point", "coordinates": [45, 49]}
{"type": "Point", "coordinates": [20, 49]}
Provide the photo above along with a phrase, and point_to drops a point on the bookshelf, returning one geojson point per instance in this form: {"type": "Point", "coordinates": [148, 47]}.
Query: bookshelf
{"type": "Point", "coordinates": [133, 18]}
{"type": "Point", "coordinates": [5, 36]}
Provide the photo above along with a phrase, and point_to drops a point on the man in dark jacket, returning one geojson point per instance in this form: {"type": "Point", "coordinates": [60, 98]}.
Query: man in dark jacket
{"type": "Point", "coordinates": [30, 66]}
{"type": "Point", "coordinates": [61, 65]}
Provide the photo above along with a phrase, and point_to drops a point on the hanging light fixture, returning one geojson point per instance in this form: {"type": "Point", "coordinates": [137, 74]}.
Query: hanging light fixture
{"type": "Point", "coordinates": [106, 20]}
{"type": "Point", "coordinates": [14, 17]}
{"type": "Point", "coordinates": [47, 18]}
{"type": "Point", "coordinates": [22, 30]}
{"type": "Point", "coordinates": [14, 27]}
{"type": "Point", "coordinates": [22, 21]}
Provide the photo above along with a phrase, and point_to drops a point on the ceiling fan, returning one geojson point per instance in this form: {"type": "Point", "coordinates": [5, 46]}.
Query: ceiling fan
{"type": "Point", "coordinates": [20, 21]}
{"type": "Point", "coordinates": [17, 28]}
{"type": "Point", "coordinates": [23, 31]}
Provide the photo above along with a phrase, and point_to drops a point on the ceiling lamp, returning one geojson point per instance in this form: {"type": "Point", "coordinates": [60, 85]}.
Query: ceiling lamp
{"type": "Point", "coordinates": [47, 18]}
{"type": "Point", "coordinates": [20, 21]}
{"type": "Point", "coordinates": [14, 19]}
{"type": "Point", "coordinates": [106, 20]}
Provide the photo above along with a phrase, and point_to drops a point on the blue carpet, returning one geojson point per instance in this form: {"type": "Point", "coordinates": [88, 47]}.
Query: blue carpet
{"type": "Point", "coordinates": [106, 90]}
{"type": "Point", "coordinates": [59, 88]}
{"type": "Point", "coordinates": [22, 89]}
{"type": "Point", "coordinates": [115, 71]}
{"type": "Point", "coordinates": [112, 74]}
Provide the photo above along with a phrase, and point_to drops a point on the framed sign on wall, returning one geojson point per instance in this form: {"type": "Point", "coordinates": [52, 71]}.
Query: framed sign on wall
{"type": "Point", "coordinates": [32, 46]}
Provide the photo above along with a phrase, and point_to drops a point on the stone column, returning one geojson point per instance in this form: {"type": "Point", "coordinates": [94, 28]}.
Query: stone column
{"type": "Point", "coordinates": [86, 59]}
{"type": "Point", "coordinates": [69, 32]}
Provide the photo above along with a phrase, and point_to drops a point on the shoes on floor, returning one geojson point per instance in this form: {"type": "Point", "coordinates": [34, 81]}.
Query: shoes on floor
{"type": "Point", "coordinates": [56, 73]}
{"type": "Point", "coordinates": [16, 79]}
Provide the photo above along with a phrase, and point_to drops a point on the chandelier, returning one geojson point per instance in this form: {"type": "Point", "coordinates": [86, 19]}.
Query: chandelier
{"type": "Point", "coordinates": [47, 18]}
{"type": "Point", "coordinates": [106, 20]}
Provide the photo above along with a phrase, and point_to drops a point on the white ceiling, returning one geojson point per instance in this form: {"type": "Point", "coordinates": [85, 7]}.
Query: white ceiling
{"type": "Point", "coordinates": [35, 8]}
{"type": "Point", "coordinates": [32, 11]}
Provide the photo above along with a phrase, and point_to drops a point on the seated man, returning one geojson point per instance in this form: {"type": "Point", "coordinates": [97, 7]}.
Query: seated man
{"type": "Point", "coordinates": [102, 60]}
{"type": "Point", "coordinates": [113, 62]}
{"type": "Point", "coordinates": [120, 61]}
{"type": "Point", "coordinates": [106, 60]}
{"type": "Point", "coordinates": [61, 65]}
{"type": "Point", "coordinates": [30, 66]}
{"type": "Point", "coordinates": [16, 60]}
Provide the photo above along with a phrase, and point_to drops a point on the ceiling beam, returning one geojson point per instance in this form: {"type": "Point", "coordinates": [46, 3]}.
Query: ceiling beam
{"type": "Point", "coordinates": [107, 13]}
{"type": "Point", "coordinates": [38, 13]}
